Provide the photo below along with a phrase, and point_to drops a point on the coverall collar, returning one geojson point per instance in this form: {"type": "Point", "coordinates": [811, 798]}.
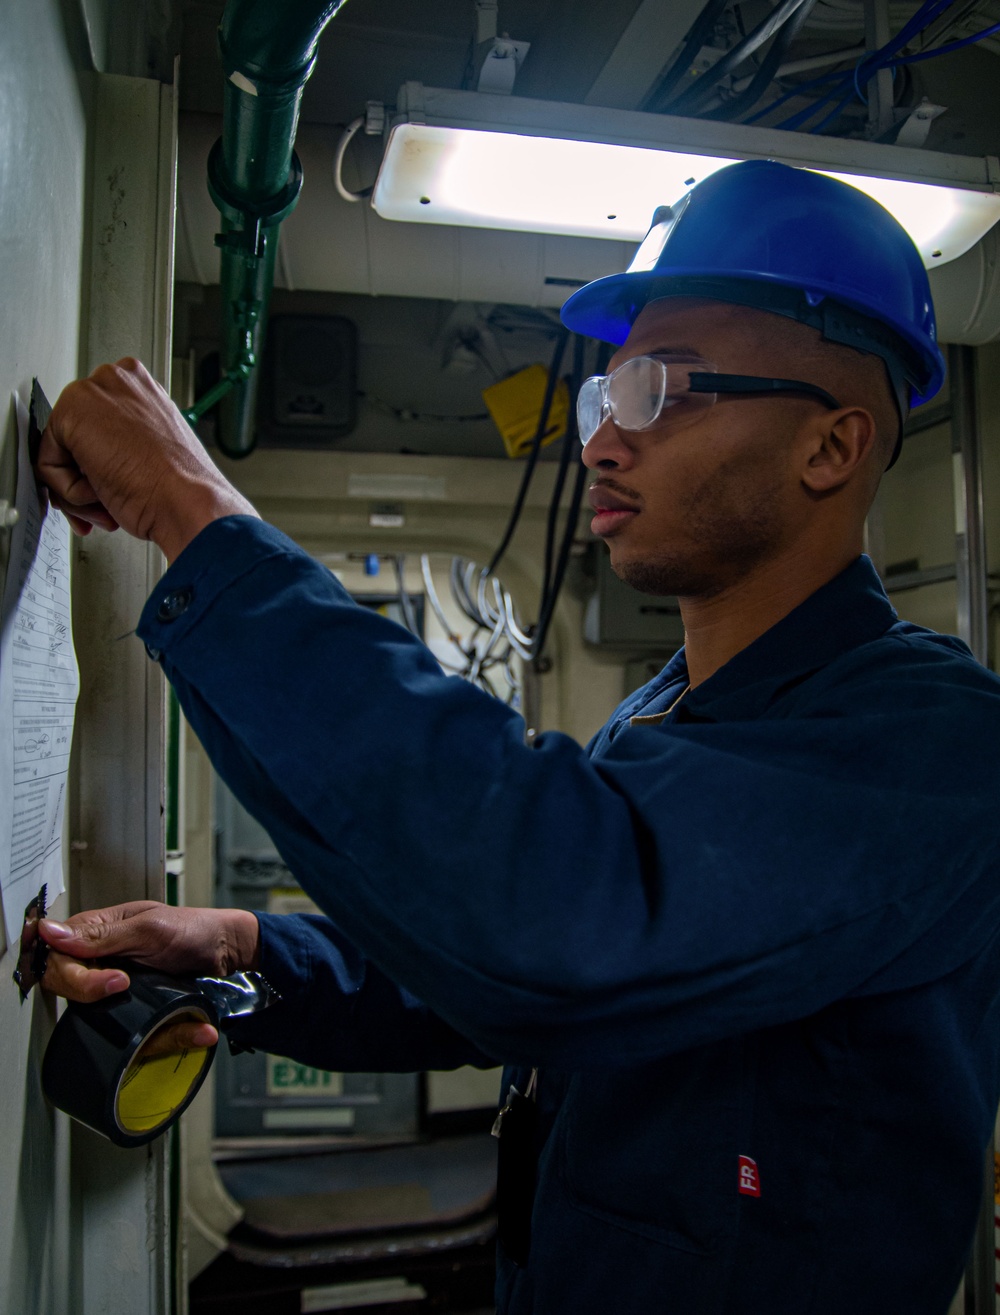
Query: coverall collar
{"type": "Point", "coordinates": [852, 609]}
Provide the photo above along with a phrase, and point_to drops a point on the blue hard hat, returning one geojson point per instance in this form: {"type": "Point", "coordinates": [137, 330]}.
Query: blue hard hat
{"type": "Point", "coordinates": [793, 242]}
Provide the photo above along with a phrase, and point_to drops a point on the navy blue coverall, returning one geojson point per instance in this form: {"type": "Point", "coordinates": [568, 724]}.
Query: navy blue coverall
{"type": "Point", "coordinates": [764, 930]}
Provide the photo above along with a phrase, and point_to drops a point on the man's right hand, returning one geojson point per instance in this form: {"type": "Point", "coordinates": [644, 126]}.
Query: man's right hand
{"type": "Point", "coordinates": [213, 942]}
{"type": "Point", "coordinates": [117, 452]}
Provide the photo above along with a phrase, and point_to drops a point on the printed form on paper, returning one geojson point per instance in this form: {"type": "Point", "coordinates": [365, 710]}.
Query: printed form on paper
{"type": "Point", "coordinates": [39, 683]}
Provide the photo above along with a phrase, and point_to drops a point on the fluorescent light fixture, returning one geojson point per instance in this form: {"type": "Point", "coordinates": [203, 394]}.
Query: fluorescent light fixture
{"type": "Point", "coordinates": [533, 184]}
{"type": "Point", "coordinates": [536, 166]}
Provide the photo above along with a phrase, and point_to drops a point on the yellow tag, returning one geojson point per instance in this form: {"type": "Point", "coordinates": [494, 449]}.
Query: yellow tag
{"type": "Point", "coordinates": [516, 407]}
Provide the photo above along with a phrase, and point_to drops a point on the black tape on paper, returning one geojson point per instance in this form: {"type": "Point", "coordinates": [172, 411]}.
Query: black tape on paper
{"type": "Point", "coordinates": [33, 954]}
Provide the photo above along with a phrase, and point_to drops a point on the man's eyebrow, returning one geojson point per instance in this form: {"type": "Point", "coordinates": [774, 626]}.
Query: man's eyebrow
{"type": "Point", "coordinates": [675, 351]}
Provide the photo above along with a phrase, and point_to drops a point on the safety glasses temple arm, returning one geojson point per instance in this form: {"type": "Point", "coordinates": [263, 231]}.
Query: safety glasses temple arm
{"type": "Point", "coordinates": [703, 382]}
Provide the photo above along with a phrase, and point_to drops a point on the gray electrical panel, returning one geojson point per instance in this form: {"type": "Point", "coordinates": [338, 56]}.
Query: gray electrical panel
{"type": "Point", "coordinates": [309, 387]}
{"type": "Point", "coordinates": [260, 1095]}
{"type": "Point", "coordinates": [618, 616]}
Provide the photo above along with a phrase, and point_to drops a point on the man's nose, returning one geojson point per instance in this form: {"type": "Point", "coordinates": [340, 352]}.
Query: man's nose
{"type": "Point", "coordinates": [606, 449]}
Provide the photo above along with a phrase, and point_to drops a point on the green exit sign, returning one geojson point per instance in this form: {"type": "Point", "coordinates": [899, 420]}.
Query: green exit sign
{"type": "Point", "coordinates": [287, 1078]}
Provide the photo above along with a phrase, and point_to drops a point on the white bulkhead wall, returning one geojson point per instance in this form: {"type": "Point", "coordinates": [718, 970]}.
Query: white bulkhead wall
{"type": "Point", "coordinates": [87, 169]}
{"type": "Point", "coordinates": [43, 129]}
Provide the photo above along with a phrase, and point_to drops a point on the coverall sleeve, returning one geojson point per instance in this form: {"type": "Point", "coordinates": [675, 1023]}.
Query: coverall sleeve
{"type": "Point", "coordinates": [337, 1011]}
{"type": "Point", "coordinates": [694, 883]}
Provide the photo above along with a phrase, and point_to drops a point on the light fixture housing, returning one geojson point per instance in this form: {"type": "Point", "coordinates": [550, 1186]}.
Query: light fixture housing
{"type": "Point", "coordinates": [473, 159]}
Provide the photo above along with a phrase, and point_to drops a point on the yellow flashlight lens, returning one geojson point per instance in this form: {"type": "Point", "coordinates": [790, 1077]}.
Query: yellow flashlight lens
{"type": "Point", "coordinates": [159, 1079]}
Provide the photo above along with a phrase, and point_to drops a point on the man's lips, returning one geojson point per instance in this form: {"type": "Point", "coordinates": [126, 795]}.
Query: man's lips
{"type": "Point", "coordinates": [602, 499]}
{"type": "Point", "coordinates": [612, 510]}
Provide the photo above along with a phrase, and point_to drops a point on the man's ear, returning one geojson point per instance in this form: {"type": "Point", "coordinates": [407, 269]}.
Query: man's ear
{"type": "Point", "coordinates": [838, 445]}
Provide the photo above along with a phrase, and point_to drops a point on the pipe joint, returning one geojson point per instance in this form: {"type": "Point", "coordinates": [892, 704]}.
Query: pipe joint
{"type": "Point", "coordinates": [272, 47]}
{"type": "Point", "coordinates": [249, 217]}
{"type": "Point", "coordinates": [258, 82]}
{"type": "Point", "coordinates": [254, 176]}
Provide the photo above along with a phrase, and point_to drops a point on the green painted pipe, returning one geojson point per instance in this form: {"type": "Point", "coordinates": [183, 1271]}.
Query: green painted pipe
{"type": "Point", "coordinates": [268, 51]}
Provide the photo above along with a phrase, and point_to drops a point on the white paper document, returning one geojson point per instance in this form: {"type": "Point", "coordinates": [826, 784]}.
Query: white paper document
{"type": "Point", "coordinates": [39, 682]}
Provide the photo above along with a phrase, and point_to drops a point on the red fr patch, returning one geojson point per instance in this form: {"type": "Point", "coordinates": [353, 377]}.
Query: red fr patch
{"type": "Point", "coordinates": [749, 1177]}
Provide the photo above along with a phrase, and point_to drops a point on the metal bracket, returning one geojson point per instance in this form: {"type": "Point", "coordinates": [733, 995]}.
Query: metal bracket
{"type": "Point", "coordinates": [410, 102]}
{"type": "Point", "coordinates": [918, 123]}
{"type": "Point", "coordinates": [879, 88]}
{"type": "Point", "coordinates": [501, 66]}
{"type": "Point", "coordinates": [248, 241]}
{"type": "Point", "coordinates": [486, 20]}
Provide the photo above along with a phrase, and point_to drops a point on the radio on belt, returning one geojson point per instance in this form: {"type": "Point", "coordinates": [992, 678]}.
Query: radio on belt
{"type": "Point", "coordinates": [101, 1068]}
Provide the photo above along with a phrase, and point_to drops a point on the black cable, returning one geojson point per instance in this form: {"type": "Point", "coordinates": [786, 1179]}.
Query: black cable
{"type": "Point", "coordinates": [405, 601]}
{"type": "Point", "coordinates": [846, 85]}
{"type": "Point", "coordinates": [553, 588]}
{"type": "Point", "coordinates": [536, 447]}
{"type": "Point", "coordinates": [738, 15]}
{"type": "Point", "coordinates": [570, 441]}
{"type": "Point", "coordinates": [700, 31]}
{"type": "Point", "coordinates": [542, 629]}
{"type": "Point", "coordinates": [762, 79]}
{"type": "Point", "coordinates": [690, 99]}
{"type": "Point", "coordinates": [545, 617]}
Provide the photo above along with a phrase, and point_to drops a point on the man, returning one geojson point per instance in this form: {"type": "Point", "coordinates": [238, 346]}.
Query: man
{"type": "Point", "coordinates": [744, 951]}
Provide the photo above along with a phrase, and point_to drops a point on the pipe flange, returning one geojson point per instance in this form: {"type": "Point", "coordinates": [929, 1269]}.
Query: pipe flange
{"type": "Point", "coordinates": [251, 215]}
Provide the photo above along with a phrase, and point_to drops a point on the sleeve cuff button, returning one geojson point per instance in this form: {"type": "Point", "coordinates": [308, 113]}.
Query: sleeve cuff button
{"type": "Point", "coordinates": [174, 604]}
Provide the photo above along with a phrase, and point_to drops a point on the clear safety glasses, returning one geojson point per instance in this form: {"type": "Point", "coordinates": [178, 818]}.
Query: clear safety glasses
{"type": "Point", "coordinates": [651, 390]}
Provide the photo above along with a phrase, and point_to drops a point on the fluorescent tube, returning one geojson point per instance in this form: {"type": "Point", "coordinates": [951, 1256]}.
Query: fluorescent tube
{"type": "Point", "coordinates": [463, 173]}
{"type": "Point", "coordinates": [532, 184]}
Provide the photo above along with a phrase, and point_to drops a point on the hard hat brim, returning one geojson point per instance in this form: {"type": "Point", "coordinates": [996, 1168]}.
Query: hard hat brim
{"type": "Point", "coordinates": [607, 308]}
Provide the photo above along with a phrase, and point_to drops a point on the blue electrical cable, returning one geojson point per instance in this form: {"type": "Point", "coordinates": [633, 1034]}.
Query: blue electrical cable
{"type": "Point", "coordinates": [952, 45]}
{"type": "Point", "coordinates": [802, 117]}
{"type": "Point", "coordinates": [924, 16]}
{"type": "Point", "coordinates": [867, 68]}
{"type": "Point", "coordinates": [862, 95]}
{"type": "Point", "coordinates": [870, 65]}
{"type": "Point", "coordinates": [837, 110]}
{"type": "Point", "coordinates": [791, 95]}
